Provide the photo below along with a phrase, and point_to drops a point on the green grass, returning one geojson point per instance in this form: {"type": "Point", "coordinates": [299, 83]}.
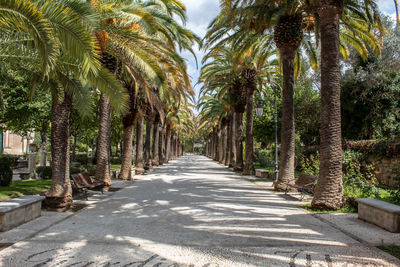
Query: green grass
{"type": "Point", "coordinates": [115, 167]}
{"type": "Point", "coordinates": [346, 209]}
{"type": "Point", "coordinates": [392, 250]}
{"type": "Point", "coordinates": [21, 188]}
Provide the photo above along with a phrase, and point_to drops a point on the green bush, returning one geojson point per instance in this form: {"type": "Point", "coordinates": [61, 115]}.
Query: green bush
{"type": "Point", "coordinates": [309, 163]}
{"type": "Point", "coordinates": [82, 159]}
{"type": "Point", "coordinates": [91, 169]}
{"type": "Point", "coordinates": [6, 173]}
{"type": "Point", "coordinates": [44, 172]}
{"type": "Point", "coordinates": [116, 161]}
{"type": "Point", "coordinates": [263, 158]}
{"type": "Point", "coordinates": [358, 176]}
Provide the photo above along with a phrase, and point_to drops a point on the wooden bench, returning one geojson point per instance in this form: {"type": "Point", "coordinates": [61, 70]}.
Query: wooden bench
{"type": "Point", "coordinates": [380, 213]}
{"type": "Point", "coordinates": [261, 173]}
{"type": "Point", "coordinates": [82, 182]}
{"type": "Point", "coordinates": [17, 211]}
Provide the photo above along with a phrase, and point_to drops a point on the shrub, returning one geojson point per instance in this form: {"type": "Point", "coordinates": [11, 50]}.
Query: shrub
{"type": "Point", "coordinates": [44, 172]}
{"type": "Point", "coordinates": [116, 161]}
{"type": "Point", "coordinates": [91, 169]}
{"type": "Point", "coordinates": [358, 176]}
{"type": "Point", "coordinates": [309, 163]}
{"type": "Point", "coordinates": [263, 158]}
{"type": "Point", "coordinates": [82, 159]}
{"type": "Point", "coordinates": [6, 173]}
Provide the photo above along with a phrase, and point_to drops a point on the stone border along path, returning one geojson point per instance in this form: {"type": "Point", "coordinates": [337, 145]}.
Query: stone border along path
{"type": "Point", "coordinates": [193, 212]}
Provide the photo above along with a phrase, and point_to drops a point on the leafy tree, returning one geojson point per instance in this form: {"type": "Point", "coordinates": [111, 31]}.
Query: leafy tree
{"type": "Point", "coordinates": [371, 92]}
{"type": "Point", "coordinates": [22, 110]}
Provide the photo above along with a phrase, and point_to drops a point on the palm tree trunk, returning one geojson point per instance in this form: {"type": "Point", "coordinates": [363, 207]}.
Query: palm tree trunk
{"type": "Point", "coordinates": [249, 165]}
{"type": "Point", "coordinates": [59, 196]}
{"type": "Point", "coordinates": [221, 144]}
{"type": "Point", "coordinates": [127, 150]}
{"type": "Point", "coordinates": [232, 156]}
{"type": "Point", "coordinates": [161, 150]}
{"type": "Point", "coordinates": [168, 144]}
{"type": "Point", "coordinates": [228, 142]}
{"type": "Point", "coordinates": [239, 142]}
{"type": "Point", "coordinates": [156, 134]}
{"type": "Point", "coordinates": [328, 193]}
{"type": "Point", "coordinates": [286, 168]}
{"type": "Point", "coordinates": [103, 143]}
{"type": "Point", "coordinates": [147, 152]}
{"type": "Point", "coordinates": [177, 147]}
{"type": "Point", "coordinates": [139, 146]}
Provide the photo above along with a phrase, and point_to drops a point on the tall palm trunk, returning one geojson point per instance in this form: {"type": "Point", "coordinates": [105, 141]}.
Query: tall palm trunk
{"type": "Point", "coordinates": [239, 142]}
{"type": "Point", "coordinates": [249, 154]}
{"type": "Point", "coordinates": [139, 146]}
{"type": "Point", "coordinates": [103, 143]}
{"type": "Point", "coordinates": [228, 142]}
{"type": "Point", "coordinates": [221, 143]}
{"type": "Point", "coordinates": [328, 193]}
{"type": "Point", "coordinates": [156, 160]}
{"type": "Point", "coordinates": [168, 144]}
{"type": "Point", "coordinates": [103, 136]}
{"type": "Point", "coordinates": [232, 156]}
{"type": "Point", "coordinates": [147, 152]}
{"type": "Point", "coordinates": [128, 122]}
{"type": "Point", "coordinates": [59, 196]}
{"type": "Point", "coordinates": [161, 150]}
{"type": "Point", "coordinates": [287, 36]}
{"type": "Point", "coordinates": [127, 149]}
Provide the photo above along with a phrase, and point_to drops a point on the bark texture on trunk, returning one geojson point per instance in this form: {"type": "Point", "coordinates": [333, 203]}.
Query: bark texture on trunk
{"type": "Point", "coordinates": [249, 154]}
{"type": "Point", "coordinates": [103, 143]}
{"type": "Point", "coordinates": [328, 193]}
{"type": "Point", "coordinates": [59, 196]}
{"type": "Point", "coordinates": [156, 160]}
{"type": "Point", "coordinates": [161, 150]}
{"type": "Point", "coordinates": [127, 150]}
{"type": "Point", "coordinates": [139, 146]}
{"type": "Point", "coordinates": [239, 142]}
{"type": "Point", "coordinates": [221, 144]}
{"type": "Point", "coordinates": [286, 167]}
{"type": "Point", "coordinates": [147, 152]}
{"type": "Point", "coordinates": [233, 141]}
{"type": "Point", "coordinates": [168, 144]}
{"type": "Point", "coordinates": [228, 137]}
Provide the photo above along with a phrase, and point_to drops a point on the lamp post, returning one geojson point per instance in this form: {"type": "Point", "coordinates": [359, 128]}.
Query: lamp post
{"type": "Point", "coordinates": [259, 112]}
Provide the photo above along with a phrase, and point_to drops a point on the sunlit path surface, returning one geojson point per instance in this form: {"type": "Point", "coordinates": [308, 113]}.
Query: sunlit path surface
{"type": "Point", "coordinates": [192, 212]}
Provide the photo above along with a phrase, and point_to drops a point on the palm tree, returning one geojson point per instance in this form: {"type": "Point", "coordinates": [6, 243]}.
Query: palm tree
{"type": "Point", "coordinates": [291, 22]}
{"type": "Point", "coordinates": [58, 45]}
{"type": "Point", "coordinates": [139, 167]}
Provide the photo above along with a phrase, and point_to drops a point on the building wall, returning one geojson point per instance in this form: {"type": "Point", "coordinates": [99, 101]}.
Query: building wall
{"type": "Point", "coordinates": [15, 144]}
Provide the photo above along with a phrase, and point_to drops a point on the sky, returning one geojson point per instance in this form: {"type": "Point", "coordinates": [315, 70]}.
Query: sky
{"type": "Point", "coordinates": [201, 12]}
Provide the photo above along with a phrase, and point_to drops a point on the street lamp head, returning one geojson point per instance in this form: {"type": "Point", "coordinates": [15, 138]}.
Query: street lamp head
{"type": "Point", "coordinates": [259, 109]}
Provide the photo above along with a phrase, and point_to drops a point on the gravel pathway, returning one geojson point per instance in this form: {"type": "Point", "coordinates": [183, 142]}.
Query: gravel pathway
{"type": "Point", "coordinates": [192, 212]}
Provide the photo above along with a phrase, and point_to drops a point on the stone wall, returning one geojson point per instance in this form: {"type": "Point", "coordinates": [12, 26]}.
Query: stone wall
{"type": "Point", "coordinates": [387, 169]}
{"type": "Point", "coordinates": [15, 144]}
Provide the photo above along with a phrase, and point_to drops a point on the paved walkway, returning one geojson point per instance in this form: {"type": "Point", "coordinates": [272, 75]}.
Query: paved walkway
{"type": "Point", "coordinates": [192, 212]}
